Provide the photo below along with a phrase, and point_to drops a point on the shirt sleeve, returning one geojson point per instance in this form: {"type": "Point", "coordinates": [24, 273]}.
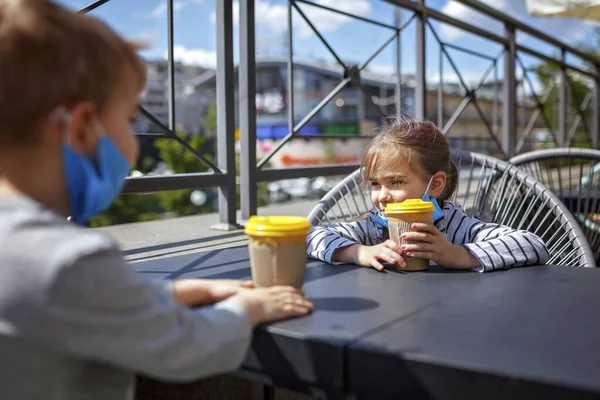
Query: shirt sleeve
{"type": "Point", "coordinates": [495, 246]}
{"type": "Point", "coordinates": [98, 308]}
{"type": "Point", "coordinates": [322, 241]}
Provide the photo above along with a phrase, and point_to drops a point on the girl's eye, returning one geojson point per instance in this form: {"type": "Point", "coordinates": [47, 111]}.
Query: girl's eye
{"type": "Point", "coordinates": [397, 182]}
{"type": "Point", "coordinates": [374, 183]}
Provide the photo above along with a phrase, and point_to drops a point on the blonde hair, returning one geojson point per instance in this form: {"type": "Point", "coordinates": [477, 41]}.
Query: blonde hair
{"type": "Point", "coordinates": [420, 143]}
{"type": "Point", "coordinates": [52, 56]}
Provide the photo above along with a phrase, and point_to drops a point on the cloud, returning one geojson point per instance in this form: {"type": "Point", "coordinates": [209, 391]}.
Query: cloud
{"type": "Point", "coordinates": [571, 31]}
{"type": "Point", "coordinates": [384, 69]}
{"type": "Point", "coordinates": [471, 77]}
{"type": "Point", "coordinates": [274, 16]}
{"type": "Point", "coordinates": [464, 13]}
{"type": "Point", "coordinates": [161, 9]}
{"type": "Point", "coordinates": [200, 57]}
{"type": "Point", "coordinates": [568, 30]}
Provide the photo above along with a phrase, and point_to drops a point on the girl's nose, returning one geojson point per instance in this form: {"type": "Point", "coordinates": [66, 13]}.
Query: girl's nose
{"type": "Point", "coordinates": [384, 194]}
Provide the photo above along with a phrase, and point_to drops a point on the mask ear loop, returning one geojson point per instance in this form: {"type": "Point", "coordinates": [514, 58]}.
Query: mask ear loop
{"type": "Point", "coordinates": [428, 186]}
{"type": "Point", "coordinates": [99, 129]}
{"type": "Point", "coordinates": [61, 114]}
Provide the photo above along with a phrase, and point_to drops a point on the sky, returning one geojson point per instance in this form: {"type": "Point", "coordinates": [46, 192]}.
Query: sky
{"type": "Point", "coordinates": [353, 40]}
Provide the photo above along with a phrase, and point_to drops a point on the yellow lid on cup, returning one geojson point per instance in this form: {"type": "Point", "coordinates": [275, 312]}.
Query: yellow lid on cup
{"type": "Point", "coordinates": [410, 206]}
{"type": "Point", "coordinates": [277, 226]}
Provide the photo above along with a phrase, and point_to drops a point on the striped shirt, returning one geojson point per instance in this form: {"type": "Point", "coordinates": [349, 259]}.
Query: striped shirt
{"type": "Point", "coordinates": [495, 246]}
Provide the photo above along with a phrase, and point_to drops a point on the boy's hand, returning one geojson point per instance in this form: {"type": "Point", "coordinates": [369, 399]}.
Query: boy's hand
{"type": "Point", "coordinates": [220, 289]}
{"type": "Point", "coordinates": [374, 256]}
{"type": "Point", "coordinates": [273, 303]}
{"type": "Point", "coordinates": [434, 246]}
{"type": "Point", "coordinates": [197, 292]}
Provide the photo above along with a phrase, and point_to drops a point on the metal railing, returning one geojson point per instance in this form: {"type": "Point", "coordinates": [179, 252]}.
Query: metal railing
{"type": "Point", "coordinates": [506, 141]}
{"type": "Point", "coordinates": [223, 174]}
{"type": "Point", "coordinates": [509, 140]}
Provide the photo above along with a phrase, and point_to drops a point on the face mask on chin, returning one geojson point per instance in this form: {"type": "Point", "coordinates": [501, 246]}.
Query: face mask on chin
{"type": "Point", "coordinates": [92, 186]}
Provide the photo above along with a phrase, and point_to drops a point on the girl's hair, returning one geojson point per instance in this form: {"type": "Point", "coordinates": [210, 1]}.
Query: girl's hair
{"type": "Point", "coordinates": [420, 143]}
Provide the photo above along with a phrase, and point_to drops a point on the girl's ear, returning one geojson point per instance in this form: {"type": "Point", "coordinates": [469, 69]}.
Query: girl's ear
{"type": "Point", "coordinates": [438, 183]}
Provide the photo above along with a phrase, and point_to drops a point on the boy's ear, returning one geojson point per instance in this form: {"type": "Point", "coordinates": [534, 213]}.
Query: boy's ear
{"type": "Point", "coordinates": [81, 135]}
{"type": "Point", "coordinates": [438, 183]}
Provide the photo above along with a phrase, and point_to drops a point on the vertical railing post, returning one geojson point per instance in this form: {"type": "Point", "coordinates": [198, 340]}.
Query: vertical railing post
{"type": "Point", "coordinates": [595, 133]}
{"type": "Point", "coordinates": [171, 65]}
{"type": "Point", "coordinates": [509, 108]}
{"type": "Point", "coordinates": [440, 99]}
{"type": "Point", "coordinates": [225, 116]}
{"type": "Point", "coordinates": [398, 23]}
{"type": "Point", "coordinates": [247, 96]}
{"type": "Point", "coordinates": [421, 89]}
{"type": "Point", "coordinates": [290, 69]}
{"type": "Point", "coordinates": [562, 112]}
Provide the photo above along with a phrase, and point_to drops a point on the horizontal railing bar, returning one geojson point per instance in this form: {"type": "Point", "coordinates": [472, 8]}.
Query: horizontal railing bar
{"type": "Point", "coordinates": [560, 63]}
{"type": "Point", "coordinates": [421, 9]}
{"type": "Point", "coordinates": [322, 136]}
{"type": "Point", "coordinates": [492, 12]}
{"type": "Point", "coordinates": [275, 174]}
{"type": "Point", "coordinates": [92, 6]}
{"type": "Point", "coordinates": [334, 10]}
{"type": "Point", "coordinates": [468, 51]}
{"type": "Point", "coordinates": [158, 183]}
{"type": "Point", "coordinates": [152, 136]}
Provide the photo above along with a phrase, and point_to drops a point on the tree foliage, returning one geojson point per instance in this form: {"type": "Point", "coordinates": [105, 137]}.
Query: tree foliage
{"type": "Point", "coordinates": [577, 89]}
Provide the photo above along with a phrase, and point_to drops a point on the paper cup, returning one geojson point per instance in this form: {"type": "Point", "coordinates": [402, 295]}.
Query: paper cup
{"type": "Point", "coordinates": [277, 248]}
{"type": "Point", "coordinates": [400, 218]}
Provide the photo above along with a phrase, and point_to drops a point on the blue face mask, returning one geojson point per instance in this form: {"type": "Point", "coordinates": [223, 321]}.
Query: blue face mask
{"type": "Point", "coordinates": [92, 187]}
{"type": "Point", "coordinates": [437, 212]}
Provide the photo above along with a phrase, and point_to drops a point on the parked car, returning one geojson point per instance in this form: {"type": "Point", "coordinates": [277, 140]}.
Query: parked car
{"type": "Point", "coordinates": [592, 178]}
{"type": "Point", "coordinates": [301, 188]}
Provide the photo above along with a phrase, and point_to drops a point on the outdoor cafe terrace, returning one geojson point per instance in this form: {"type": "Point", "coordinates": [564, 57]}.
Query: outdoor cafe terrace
{"type": "Point", "coordinates": [522, 333]}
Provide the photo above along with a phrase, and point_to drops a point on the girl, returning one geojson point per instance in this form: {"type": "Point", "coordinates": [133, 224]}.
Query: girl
{"type": "Point", "coordinates": [411, 159]}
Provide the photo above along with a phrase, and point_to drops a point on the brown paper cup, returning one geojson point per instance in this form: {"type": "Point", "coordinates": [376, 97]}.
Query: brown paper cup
{"type": "Point", "coordinates": [400, 223]}
{"type": "Point", "coordinates": [278, 261]}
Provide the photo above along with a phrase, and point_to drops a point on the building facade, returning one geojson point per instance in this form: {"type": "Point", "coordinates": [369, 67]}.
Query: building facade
{"type": "Point", "coordinates": [349, 113]}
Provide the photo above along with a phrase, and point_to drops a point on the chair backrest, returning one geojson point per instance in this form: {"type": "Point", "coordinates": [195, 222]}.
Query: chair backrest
{"type": "Point", "coordinates": [491, 190]}
{"type": "Point", "coordinates": [574, 176]}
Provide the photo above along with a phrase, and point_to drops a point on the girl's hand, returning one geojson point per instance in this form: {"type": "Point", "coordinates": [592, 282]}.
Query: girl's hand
{"type": "Point", "coordinates": [434, 246]}
{"type": "Point", "coordinates": [373, 256]}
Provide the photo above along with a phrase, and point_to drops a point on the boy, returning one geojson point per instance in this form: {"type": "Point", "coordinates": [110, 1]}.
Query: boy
{"type": "Point", "coordinates": [75, 321]}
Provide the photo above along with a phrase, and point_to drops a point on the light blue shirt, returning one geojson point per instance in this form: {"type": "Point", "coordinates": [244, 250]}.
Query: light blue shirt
{"type": "Point", "coordinates": [76, 322]}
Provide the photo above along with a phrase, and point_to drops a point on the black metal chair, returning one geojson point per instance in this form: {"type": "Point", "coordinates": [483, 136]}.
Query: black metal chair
{"type": "Point", "coordinates": [491, 190]}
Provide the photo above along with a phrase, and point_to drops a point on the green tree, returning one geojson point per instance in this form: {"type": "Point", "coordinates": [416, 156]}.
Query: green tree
{"type": "Point", "coordinates": [181, 161]}
{"type": "Point", "coordinates": [577, 90]}
{"type": "Point", "coordinates": [151, 206]}
{"type": "Point", "coordinates": [129, 208]}
{"type": "Point", "coordinates": [209, 125]}
{"type": "Point", "coordinates": [147, 207]}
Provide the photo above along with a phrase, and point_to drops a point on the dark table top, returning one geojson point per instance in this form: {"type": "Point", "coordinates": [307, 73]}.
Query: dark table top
{"type": "Point", "coordinates": [429, 331]}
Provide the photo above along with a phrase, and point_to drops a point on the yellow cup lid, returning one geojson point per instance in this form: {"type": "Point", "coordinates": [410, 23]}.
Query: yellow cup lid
{"type": "Point", "coordinates": [277, 226]}
{"type": "Point", "coordinates": [409, 206]}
